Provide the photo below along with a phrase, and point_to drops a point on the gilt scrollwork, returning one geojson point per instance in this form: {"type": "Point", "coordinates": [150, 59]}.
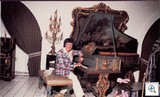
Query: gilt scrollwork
{"type": "Point", "coordinates": [103, 84]}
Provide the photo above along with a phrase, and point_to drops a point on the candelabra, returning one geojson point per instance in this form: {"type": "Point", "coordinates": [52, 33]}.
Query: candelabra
{"type": "Point", "coordinates": [54, 34]}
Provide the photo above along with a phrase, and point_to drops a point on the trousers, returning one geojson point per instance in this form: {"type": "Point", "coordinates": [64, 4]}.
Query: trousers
{"type": "Point", "coordinates": [77, 88]}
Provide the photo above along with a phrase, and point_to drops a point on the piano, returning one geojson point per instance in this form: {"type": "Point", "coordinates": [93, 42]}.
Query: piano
{"type": "Point", "coordinates": [109, 53]}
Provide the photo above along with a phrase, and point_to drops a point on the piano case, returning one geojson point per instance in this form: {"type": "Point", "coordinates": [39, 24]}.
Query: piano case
{"type": "Point", "coordinates": [100, 63]}
{"type": "Point", "coordinates": [99, 32]}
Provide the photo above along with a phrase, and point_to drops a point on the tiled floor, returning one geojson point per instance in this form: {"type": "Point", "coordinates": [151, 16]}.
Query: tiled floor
{"type": "Point", "coordinates": [24, 86]}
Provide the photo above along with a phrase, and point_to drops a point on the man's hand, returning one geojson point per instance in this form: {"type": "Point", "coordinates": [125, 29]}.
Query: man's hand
{"type": "Point", "coordinates": [80, 59]}
{"type": "Point", "coordinates": [77, 65]}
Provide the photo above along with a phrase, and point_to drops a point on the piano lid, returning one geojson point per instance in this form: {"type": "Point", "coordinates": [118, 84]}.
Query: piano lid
{"type": "Point", "coordinates": [101, 28]}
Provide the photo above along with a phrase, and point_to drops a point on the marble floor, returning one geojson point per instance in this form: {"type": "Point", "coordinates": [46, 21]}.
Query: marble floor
{"type": "Point", "coordinates": [25, 86]}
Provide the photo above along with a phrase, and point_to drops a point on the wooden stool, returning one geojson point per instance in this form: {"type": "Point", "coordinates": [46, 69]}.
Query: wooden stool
{"type": "Point", "coordinates": [50, 80]}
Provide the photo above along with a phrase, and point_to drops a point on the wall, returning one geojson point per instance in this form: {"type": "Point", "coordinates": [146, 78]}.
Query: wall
{"type": "Point", "coordinates": [142, 14]}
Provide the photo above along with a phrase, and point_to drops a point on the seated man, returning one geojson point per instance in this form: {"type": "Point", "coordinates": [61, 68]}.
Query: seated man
{"type": "Point", "coordinates": [64, 66]}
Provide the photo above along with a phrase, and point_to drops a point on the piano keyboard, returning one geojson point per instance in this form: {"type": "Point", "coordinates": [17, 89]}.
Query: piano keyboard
{"type": "Point", "coordinates": [85, 67]}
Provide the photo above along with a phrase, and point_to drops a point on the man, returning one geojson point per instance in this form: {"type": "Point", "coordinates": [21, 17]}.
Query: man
{"type": "Point", "coordinates": [65, 66]}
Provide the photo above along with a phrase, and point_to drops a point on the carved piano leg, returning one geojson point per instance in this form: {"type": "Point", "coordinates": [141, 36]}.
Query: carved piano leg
{"type": "Point", "coordinates": [102, 84]}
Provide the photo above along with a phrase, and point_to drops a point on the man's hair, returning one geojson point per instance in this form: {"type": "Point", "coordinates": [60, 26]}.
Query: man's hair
{"type": "Point", "coordinates": [67, 40]}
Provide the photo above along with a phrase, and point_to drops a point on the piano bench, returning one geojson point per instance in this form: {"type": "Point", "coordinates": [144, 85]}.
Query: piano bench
{"type": "Point", "coordinates": [52, 81]}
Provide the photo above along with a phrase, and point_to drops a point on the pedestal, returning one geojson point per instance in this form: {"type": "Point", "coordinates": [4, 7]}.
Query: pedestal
{"type": "Point", "coordinates": [50, 61]}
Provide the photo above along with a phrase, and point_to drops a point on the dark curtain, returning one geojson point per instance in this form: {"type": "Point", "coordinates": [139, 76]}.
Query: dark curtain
{"type": "Point", "coordinates": [152, 35]}
{"type": "Point", "coordinates": [158, 66]}
{"type": "Point", "coordinates": [22, 25]}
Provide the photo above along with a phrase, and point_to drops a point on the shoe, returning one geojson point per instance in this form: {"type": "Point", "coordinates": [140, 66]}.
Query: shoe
{"type": "Point", "coordinates": [59, 95]}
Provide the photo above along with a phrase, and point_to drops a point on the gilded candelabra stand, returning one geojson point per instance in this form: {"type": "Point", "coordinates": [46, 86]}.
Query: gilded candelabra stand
{"type": "Point", "coordinates": [54, 34]}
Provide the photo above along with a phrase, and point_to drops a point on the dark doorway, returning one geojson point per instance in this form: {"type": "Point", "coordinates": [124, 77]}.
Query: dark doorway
{"type": "Point", "coordinates": [151, 40]}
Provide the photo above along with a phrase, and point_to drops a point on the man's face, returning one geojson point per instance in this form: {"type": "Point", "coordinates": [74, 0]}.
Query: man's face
{"type": "Point", "coordinates": [68, 46]}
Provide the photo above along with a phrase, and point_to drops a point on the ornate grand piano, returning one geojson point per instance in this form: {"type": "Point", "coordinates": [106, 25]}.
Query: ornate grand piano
{"type": "Point", "coordinates": [109, 53]}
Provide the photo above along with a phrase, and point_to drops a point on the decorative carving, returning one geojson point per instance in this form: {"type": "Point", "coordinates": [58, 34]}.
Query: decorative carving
{"type": "Point", "coordinates": [110, 64]}
{"type": "Point", "coordinates": [89, 48]}
{"type": "Point", "coordinates": [54, 34]}
{"type": "Point", "coordinates": [80, 15]}
{"type": "Point", "coordinates": [103, 84]}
